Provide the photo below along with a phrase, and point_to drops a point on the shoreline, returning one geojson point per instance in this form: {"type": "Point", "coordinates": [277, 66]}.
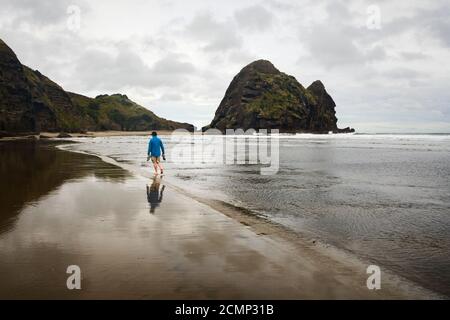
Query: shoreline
{"type": "Point", "coordinates": [88, 134]}
{"type": "Point", "coordinates": [324, 253]}
{"type": "Point", "coordinates": [100, 134]}
{"type": "Point", "coordinates": [112, 133]}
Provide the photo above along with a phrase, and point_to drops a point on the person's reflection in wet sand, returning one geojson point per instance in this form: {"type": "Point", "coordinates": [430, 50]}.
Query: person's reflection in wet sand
{"type": "Point", "coordinates": [154, 195]}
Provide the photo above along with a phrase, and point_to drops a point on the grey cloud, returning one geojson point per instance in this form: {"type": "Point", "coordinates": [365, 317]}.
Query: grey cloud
{"type": "Point", "coordinates": [409, 55]}
{"type": "Point", "coordinates": [215, 35]}
{"type": "Point", "coordinates": [338, 11]}
{"type": "Point", "coordinates": [438, 22]}
{"type": "Point", "coordinates": [375, 53]}
{"type": "Point", "coordinates": [103, 71]}
{"type": "Point", "coordinates": [40, 13]}
{"type": "Point", "coordinates": [337, 41]}
{"type": "Point", "coordinates": [171, 97]}
{"type": "Point", "coordinates": [423, 23]}
{"type": "Point", "coordinates": [254, 18]}
{"type": "Point", "coordinates": [171, 64]}
{"type": "Point", "coordinates": [281, 5]}
{"type": "Point", "coordinates": [403, 73]}
{"type": "Point", "coordinates": [417, 83]}
{"type": "Point", "coordinates": [241, 58]}
{"type": "Point", "coordinates": [333, 47]}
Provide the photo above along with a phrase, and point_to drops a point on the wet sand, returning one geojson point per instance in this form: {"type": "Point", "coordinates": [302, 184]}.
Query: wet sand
{"type": "Point", "coordinates": [88, 134]}
{"type": "Point", "coordinates": [110, 133]}
{"type": "Point", "coordinates": [135, 237]}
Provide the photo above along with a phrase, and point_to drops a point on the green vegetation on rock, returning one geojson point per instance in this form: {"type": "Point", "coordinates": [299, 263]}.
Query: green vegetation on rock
{"type": "Point", "coordinates": [117, 112]}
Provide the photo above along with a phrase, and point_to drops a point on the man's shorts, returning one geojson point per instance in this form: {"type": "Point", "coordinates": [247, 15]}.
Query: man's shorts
{"type": "Point", "coordinates": [155, 159]}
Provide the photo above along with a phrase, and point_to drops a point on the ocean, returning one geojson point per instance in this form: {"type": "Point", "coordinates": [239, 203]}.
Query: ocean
{"type": "Point", "coordinates": [382, 197]}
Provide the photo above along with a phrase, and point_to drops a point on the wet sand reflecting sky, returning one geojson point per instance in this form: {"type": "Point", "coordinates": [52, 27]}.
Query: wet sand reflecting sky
{"type": "Point", "coordinates": [134, 237]}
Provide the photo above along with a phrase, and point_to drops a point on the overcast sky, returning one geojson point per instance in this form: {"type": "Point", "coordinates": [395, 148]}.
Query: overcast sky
{"type": "Point", "coordinates": [387, 73]}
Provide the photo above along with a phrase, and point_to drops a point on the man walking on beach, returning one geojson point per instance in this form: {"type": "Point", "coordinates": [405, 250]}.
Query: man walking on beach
{"type": "Point", "coordinates": [155, 146]}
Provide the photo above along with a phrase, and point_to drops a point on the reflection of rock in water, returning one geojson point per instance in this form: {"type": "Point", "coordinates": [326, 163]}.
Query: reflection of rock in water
{"type": "Point", "coordinates": [154, 194]}
{"type": "Point", "coordinates": [30, 170]}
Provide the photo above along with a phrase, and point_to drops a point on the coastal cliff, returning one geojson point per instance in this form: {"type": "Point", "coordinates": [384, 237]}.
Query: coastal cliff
{"type": "Point", "coordinates": [30, 102]}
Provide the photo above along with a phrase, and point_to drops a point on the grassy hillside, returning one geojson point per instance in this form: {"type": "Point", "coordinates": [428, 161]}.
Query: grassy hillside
{"type": "Point", "coordinates": [117, 112]}
{"type": "Point", "coordinates": [53, 107]}
{"type": "Point", "coordinates": [31, 102]}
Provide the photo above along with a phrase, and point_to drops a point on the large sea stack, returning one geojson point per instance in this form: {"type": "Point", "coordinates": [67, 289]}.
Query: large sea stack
{"type": "Point", "coordinates": [262, 97]}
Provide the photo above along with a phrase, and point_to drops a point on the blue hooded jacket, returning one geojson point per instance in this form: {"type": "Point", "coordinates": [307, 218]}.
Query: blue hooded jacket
{"type": "Point", "coordinates": [155, 146]}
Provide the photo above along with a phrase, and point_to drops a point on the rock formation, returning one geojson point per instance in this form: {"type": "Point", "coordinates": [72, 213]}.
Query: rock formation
{"type": "Point", "coordinates": [262, 97]}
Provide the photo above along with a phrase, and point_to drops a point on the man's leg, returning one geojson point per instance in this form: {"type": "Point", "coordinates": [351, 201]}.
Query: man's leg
{"type": "Point", "coordinates": [161, 167]}
{"type": "Point", "coordinates": [155, 165]}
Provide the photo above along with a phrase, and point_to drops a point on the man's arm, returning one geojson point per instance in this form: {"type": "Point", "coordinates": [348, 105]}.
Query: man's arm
{"type": "Point", "coordinates": [148, 150]}
{"type": "Point", "coordinates": [162, 146]}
